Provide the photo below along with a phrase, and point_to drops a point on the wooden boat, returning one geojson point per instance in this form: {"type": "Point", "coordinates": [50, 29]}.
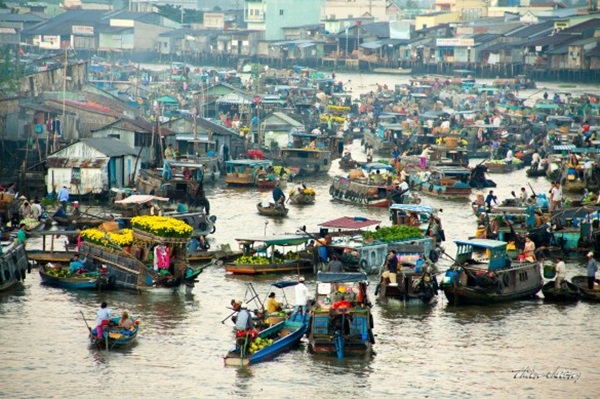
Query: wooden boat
{"type": "Point", "coordinates": [448, 182]}
{"type": "Point", "coordinates": [483, 274]}
{"type": "Point", "coordinates": [272, 210]}
{"type": "Point", "coordinates": [262, 255]}
{"type": "Point", "coordinates": [306, 197]}
{"type": "Point", "coordinates": [115, 337]}
{"type": "Point", "coordinates": [281, 337]}
{"type": "Point", "coordinates": [170, 180]}
{"type": "Point", "coordinates": [248, 172]}
{"type": "Point", "coordinates": [393, 71]}
{"type": "Point", "coordinates": [13, 265]}
{"type": "Point", "coordinates": [502, 167]}
{"type": "Point", "coordinates": [307, 160]}
{"type": "Point", "coordinates": [134, 270]}
{"type": "Point", "coordinates": [77, 220]}
{"type": "Point", "coordinates": [62, 278]}
{"type": "Point", "coordinates": [347, 163]}
{"type": "Point", "coordinates": [365, 186]}
{"type": "Point", "coordinates": [568, 292]}
{"type": "Point", "coordinates": [581, 283]}
{"type": "Point", "coordinates": [378, 142]}
{"type": "Point", "coordinates": [341, 329]}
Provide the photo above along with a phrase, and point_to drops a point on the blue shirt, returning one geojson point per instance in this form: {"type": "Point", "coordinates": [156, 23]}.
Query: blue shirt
{"type": "Point", "coordinates": [181, 208]}
{"type": "Point", "coordinates": [277, 194]}
{"type": "Point", "coordinates": [592, 267]}
{"type": "Point", "coordinates": [63, 195]}
{"type": "Point", "coordinates": [76, 265]}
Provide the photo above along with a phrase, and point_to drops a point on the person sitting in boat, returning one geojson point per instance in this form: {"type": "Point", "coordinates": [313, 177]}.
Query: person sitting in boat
{"type": "Point", "coordinates": [528, 253]}
{"type": "Point", "coordinates": [346, 156]}
{"type": "Point", "coordinates": [181, 208]}
{"type": "Point", "coordinates": [335, 265]}
{"type": "Point", "coordinates": [203, 245]}
{"type": "Point", "coordinates": [60, 212]}
{"type": "Point", "coordinates": [491, 198]}
{"type": "Point", "coordinates": [244, 320]}
{"type": "Point", "coordinates": [125, 323]}
{"type": "Point", "coordinates": [343, 303]}
{"type": "Point", "coordinates": [278, 197]}
{"type": "Point", "coordinates": [300, 188]}
{"type": "Point", "coordinates": [413, 219]}
{"type": "Point", "coordinates": [523, 195]}
{"type": "Point", "coordinates": [272, 305]}
{"type": "Point", "coordinates": [77, 265]}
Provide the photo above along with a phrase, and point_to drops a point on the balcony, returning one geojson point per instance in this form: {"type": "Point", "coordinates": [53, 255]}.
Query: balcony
{"type": "Point", "coordinates": [254, 18]}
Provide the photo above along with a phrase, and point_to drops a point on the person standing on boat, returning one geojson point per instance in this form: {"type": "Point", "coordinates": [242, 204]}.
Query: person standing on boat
{"type": "Point", "coordinates": [278, 197]}
{"type": "Point", "coordinates": [555, 196]}
{"type": "Point", "coordinates": [536, 161]}
{"type": "Point", "coordinates": [509, 156]}
{"type": "Point", "coordinates": [592, 268]}
{"type": "Point", "coordinates": [63, 197]}
{"type": "Point", "coordinates": [21, 236]}
{"type": "Point", "coordinates": [561, 272]}
{"type": "Point", "coordinates": [489, 199]}
{"type": "Point", "coordinates": [392, 265]}
{"type": "Point", "coordinates": [244, 321]}
{"type": "Point", "coordinates": [301, 291]}
{"type": "Point", "coordinates": [104, 314]}
{"type": "Point", "coordinates": [335, 265]}
{"type": "Point", "coordinates": [523, 195]}
{"type": "Point", "coordinates": [36, 209]}
{"type": "Point", "coordinates": [169, 153]}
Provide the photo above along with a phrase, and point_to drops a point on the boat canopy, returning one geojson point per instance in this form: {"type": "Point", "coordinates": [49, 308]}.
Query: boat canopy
{"type": "Point", "coordinates": [140, 199]}
{"type": "Point", "coordinates": [282, 240]}
{"type": "Point", "coordinates": [328, 277]}
{"type": "Point", "coordinates": [482, 243]}
{"type": "Point", "coordinates": [374, 166]}
{"type": "Point", "coordinates": [284, 284]}
{"type": "Point", "coordinates": [412, 208]}
{"type": "Point", "coordinates": [451, 170]}
{"type": "Point", "coordinates": [251, 163]}
{"type": "Point", "coordinates": [347, 222]}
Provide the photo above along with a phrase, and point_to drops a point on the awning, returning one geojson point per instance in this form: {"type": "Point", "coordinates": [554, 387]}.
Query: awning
{"type": "Point", "coordinates": [328, 277]}
{"type": "Point", "coordinates": [412, 208]}
{"type": "Point", "coordinates": [140, 199]}
{"type": "Point", "coordinates": [277, 240]}
{"type": "Point", "coordinates": [347, 222]}
{"type": "Point", "coordinates": [371, 45]}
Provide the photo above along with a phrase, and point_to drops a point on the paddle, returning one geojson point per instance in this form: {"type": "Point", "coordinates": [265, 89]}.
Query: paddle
{"type": "Point", "coordinates": [86, 323]}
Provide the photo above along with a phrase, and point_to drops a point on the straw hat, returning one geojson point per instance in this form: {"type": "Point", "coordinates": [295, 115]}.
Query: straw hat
{"type": "Point", "coordinates": [22, 197]}
{"type": "Point", "coordinates": [590, 254]}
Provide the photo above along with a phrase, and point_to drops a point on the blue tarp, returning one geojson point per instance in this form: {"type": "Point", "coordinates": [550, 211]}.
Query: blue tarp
{"type": "Point", "coordinates": [284, 284]}
{"type": "Point", "coordinates": [326, 277]}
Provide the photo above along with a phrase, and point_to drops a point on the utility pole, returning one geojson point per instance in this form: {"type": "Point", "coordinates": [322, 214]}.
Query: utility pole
{"type": "Point", "coordinates": [64, 105]}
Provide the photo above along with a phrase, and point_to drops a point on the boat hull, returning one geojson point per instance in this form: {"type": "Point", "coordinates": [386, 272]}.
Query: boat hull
{"type": "Point", "coordinates": [358, 193]}
{"type": "Point", "coordinates": [115, 337]}
{"type": "Point", "coordinates": [302, 199]}
{"type": "Point", "coordinates": [288, 333]}
{"type": "Point", "coordinates": [358, 339]}
{"type": "Point", "coordinates": [87, 282]}
{"type": "Point", "coordinates": [272, 211]}
{"type": "Point", "coordinates": [519, 282]}
{"type": "Point", "coordinates": [250, 269]}
{"type": "Point", "coordinates": [570, 293]}
{"type": "Point", "coordinates": [586, 293]}
{"type": "Point", "coordinates": [13, 266]}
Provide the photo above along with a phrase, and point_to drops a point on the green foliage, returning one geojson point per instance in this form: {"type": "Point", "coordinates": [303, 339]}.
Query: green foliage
{"type": "Point", "coordinates": [10, 71]}
{"type": "Point", "coordinates": [394, 233]}
{"type": "Point", "coordinates": [173, 12]}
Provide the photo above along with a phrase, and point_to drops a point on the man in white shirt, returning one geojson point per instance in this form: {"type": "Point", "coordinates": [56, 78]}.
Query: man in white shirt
{"type": "Point", "coordinates": [509, 156]}
{"type": "Point", "coordinates": [104, 315]}
{"type": "Point", "coordinates": [561, 273]}
{"type": "Point", "coordinates": [404, 191]}
{"type": "Point", "coordinates": [555, 196]}
{"type": "Point", "coordinates": [301, 292]}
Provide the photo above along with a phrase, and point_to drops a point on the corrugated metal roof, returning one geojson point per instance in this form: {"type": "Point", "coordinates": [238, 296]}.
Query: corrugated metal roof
{"type": "Point", "coordinates": [287, 119]}
{"type": "Point", "coordinates": [555, 40]}
{"type": "Point", "coordinates": [98, 163]}
{"type": "Point", "coordinates": [532, 31]}
{"type": "Point", "coordinates": [591, 24]}
{"type": "Point", "coordinates": [110, 147]}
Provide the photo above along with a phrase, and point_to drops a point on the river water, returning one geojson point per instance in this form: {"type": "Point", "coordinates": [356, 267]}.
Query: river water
{"type": "Point", "coordinates": [516, 350]}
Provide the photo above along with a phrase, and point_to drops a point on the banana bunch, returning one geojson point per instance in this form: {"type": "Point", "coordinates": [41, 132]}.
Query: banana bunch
{"type": "Point", "coordinates": [252, 260]}
{"type": "Point", "coordinates": [258, 344]}
{"type": "Point", "coordinates": [308, 191]}
{"type": "Point", "coordinates": [30, 223]}
{"type": "Point", "coordinates": [292, 256]}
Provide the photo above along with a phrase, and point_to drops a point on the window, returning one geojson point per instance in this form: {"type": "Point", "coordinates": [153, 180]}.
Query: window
{"type": "Point", "coordinates": [280, 12]}
{"type": "Point", "coordinates": [115, 136]}
{"type": "Point", "coordinates": [142, 140]}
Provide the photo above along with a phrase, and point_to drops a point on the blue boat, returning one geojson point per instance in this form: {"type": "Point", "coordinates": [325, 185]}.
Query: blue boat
{"type": "Point", "coordinates": [341, 319]}
{"type": "Point", "coordinates": [62, 278]}
{"type": "Point", "coordinates": [277, 339]}
{"type": "Point", "coordinates": [283, 334]}
{"type": "Point", "coordinates": [115, 337]}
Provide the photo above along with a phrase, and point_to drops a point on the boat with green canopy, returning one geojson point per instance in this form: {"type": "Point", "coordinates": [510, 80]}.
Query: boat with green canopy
{"type": "Point", "coordinates": [272, 254]}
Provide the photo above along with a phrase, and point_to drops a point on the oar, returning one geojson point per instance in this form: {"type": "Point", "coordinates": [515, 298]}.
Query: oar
{"type": "Point", "coordinates": [86, 323]}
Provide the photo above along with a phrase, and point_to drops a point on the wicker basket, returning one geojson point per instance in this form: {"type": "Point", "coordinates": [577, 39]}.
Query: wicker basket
{"type": "Point", "coordinates": [145, 236]}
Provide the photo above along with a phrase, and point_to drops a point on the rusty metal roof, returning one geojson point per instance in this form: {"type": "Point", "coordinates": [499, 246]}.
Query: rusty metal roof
{"type": "Point", "coordinates": [97, 163]}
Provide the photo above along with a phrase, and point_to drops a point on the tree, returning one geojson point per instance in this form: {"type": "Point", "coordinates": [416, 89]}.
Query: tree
{"type": "Point", "coordinates": [10, 71]}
